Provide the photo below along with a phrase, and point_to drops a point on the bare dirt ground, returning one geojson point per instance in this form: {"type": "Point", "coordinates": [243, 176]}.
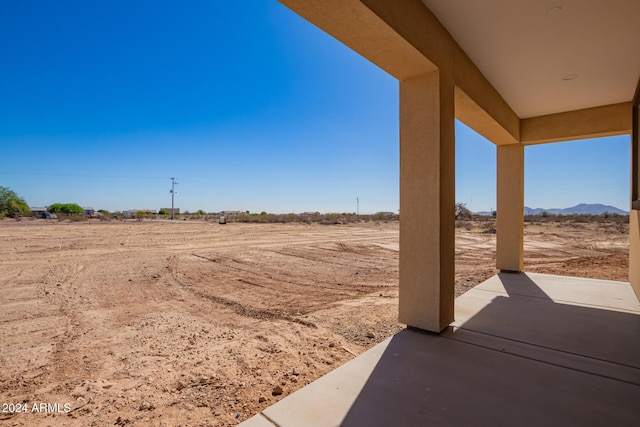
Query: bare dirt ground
{"type": "Point", "coordinates": [195, 323]}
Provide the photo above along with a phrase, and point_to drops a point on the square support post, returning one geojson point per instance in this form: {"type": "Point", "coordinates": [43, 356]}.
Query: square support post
{"type": "Point", "coordinates": [634, 214]}
{"type": "Point", "coordinates": [427, 202]}
{"type": "Point", "coordinates": [510, 218]}
{"type": "Point", "coordinates": [634, 251]}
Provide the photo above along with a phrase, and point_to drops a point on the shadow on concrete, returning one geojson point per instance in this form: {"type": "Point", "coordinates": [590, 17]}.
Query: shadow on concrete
{"type": "Point", "coordinates": [520, 284]}
{"type": "Point", "coordinates": [523, 359]}
{"type": "Point", "coordinates": [529, 315]}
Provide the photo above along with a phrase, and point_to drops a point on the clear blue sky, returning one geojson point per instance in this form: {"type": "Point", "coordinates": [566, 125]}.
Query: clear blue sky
{"type": "Point", "coordinates": [249, 107]}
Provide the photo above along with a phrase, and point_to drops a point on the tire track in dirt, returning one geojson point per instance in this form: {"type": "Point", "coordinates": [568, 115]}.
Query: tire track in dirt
{"type": "Point", "coordinates": [35, 324]}
{"type": "Point", "coordinates": [238, 286]}
{"type": "Point", "coordinates": [255, 271]}
{"type": "Point", "coordinates": [366, 261]}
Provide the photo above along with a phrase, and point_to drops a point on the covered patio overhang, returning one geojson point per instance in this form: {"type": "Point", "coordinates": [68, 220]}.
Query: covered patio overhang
{"type": "Point", "coordinates": [521, 348]}
{"type": "Point", "coordinates": [518, 73]}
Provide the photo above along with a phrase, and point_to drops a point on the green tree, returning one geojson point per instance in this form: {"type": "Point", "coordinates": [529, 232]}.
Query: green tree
{"type": "Point", "coordinates": [164, 212]}
{"type": "Point", "coordinates": [66, 208]}
{"type": "Point", "coordinates": [11, 204]}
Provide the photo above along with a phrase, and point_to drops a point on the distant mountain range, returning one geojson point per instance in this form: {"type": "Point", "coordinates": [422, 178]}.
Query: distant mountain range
{"type": "Point", "coordinates": [581, 209]}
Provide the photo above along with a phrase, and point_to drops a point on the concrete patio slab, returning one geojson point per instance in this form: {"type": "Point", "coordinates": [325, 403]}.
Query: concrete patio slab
{"type": "Point", "coordinates": [562, 289]}
{"type": "Point", "coordinates": [521, 308]}
{"type": "Point", "coordinates": [525, 350]}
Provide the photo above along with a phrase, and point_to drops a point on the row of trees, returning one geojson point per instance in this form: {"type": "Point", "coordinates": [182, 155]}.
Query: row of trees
{"type": "Point", "coordinates": [12, 205]}
{"type": "Point", "coordinates": [66, 208]}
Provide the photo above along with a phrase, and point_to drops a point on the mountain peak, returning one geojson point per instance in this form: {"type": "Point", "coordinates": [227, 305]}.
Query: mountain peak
{"type": "Point", "coordinates": [580, 209]}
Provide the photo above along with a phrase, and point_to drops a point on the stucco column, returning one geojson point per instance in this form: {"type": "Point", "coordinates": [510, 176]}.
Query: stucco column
{"type": "Point", "coordinates": [634, 251]}
{"type": "Point", "coordinates": [510, 218]}
{"type": "Point", "coordinates": [634, 213]}
{"type": "Point", "coordinates": [427, 202]}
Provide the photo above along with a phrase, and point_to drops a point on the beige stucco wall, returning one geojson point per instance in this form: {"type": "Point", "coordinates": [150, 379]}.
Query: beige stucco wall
{"type": "Point", "coordinates": [418, 25]}
{"type": "Point", "coordinates": [510, 218]}
{"type": "Point", "coordinates": [634, 216]}
{"type": "Point", "coordinates": [634, 251]}
{"type": "Point", "coordinates": [427, 202]}
{"type": "Point", "coordinates": [594, 122]}
{"type": "Point", "coordinates": [355, 25]}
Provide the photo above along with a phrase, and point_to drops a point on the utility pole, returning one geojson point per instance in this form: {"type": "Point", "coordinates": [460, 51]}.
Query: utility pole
{"type": "Point", "coordinates": [173, 193]}
{"type": "Point", "coordinates": [358, 207]}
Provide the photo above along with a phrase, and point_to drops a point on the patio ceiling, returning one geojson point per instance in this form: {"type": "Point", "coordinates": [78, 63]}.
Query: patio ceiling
{"type": "Point", "coordinates": [549, 56]}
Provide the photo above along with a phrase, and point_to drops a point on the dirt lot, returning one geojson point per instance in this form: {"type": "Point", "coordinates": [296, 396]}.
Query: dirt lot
{"type": "Point", "coordinates": [195, 323]}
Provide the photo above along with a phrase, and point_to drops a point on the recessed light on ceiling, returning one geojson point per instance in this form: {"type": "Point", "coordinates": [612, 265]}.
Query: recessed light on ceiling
{"type": "Point", "coordinates": [552, 11]}
{"type": "Point", "coordinates": [570, 77]}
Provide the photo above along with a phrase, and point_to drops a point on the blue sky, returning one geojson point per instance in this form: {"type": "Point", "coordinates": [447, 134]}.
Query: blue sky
{"type": "Point", "coordinates": [249, 108]}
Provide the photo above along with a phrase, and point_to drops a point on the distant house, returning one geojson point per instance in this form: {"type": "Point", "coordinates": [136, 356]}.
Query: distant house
{"type": "Point", "coordinates": [43, 213]}
{"type": "Point", "coordinates": [38, 212]}
{"type": "Point", "coordinates": [133, 213]}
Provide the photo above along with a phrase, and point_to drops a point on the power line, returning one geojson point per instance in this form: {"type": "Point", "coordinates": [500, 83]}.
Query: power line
{"type": "Point", "coordinates": [71, 175]}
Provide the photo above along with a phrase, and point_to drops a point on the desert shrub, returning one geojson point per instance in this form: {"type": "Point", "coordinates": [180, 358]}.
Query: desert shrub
{"type": "Point", "coordinates": [308, 218]}
{"type": "Point", "coordinates": [462, 212]}
{"type": "Point", "coordinates": [489, 227]}
{"type": "Point", "coordinates": [66, 208]}
{"type": "Point", "coordinates": [383, 216]}
{"type": "Point", "coordinates": [11, 204]}
{"type": "Point", "coordinates": [578, 218]}
{"type": "Point", "coordinates": [467, 225]}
